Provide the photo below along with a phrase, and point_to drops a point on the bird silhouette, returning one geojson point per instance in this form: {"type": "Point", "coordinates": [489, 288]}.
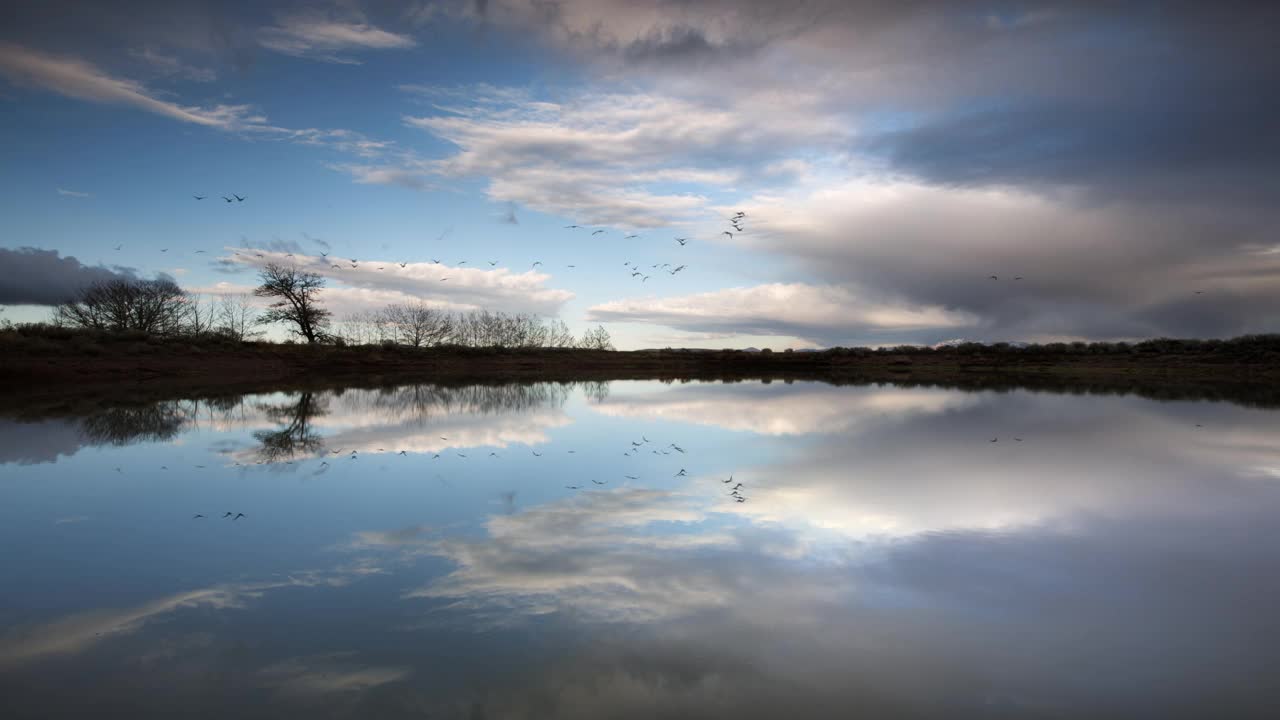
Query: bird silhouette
{"type": "Point", "coordinates": [120, 246]}
{"type": "Point", "coordinates": [597, 232]}
{"type": "Point", "coordinates": [993, 277]}
{"type": "Point", "coordinates": [402, 452]}
{"type": "Point", "coordinates": [631, 477]}
{"type": "Point", "coordinates": [682, 473]}
{"type": "Point", "coordinates": [726, 232]}
{"type": "Point", "coordinates": [571, 227]}
{"type": "Point", "coordinates": [199, 197]}
{"type": "Point", "coordinates": [224, 197]}
{"type": "Point", "coordinates": [537, 263]}
{"type": "Point", "coordinates": [237, 197]}
{"type": "Point", "coordinates": [238, 516]}
{"type": "Point", "coordinates": [492, 263]}
{"type": "Point", "coordinates": [404, 264]}
{"type": "Point", "coordinates": [193, 517]}
{"type": "Point", "coordinates": [226, 515]}
{"type": "Point", "coordinates": [628, 237]}
{"type": "Point", "coordinates": [573, 487]}
{"type": "Point", "coordinates": [995, 439]}
{"type": "Point", "coordinates": [598, 482]}
{"type": "Point", "coordinates": [536, 453]}
{"type": "Point", "coordinates": [682, 241]}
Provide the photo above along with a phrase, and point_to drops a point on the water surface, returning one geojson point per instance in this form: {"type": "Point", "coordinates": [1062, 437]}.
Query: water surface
{"type": "Point", "coordinates": [575, 551]}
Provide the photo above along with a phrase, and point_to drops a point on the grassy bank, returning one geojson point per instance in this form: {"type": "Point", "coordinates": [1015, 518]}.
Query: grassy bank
{"type": "Point", "coordinates": [51, 362]}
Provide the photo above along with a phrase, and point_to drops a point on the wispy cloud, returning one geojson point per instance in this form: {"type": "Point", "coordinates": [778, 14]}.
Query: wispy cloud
{"type": "Point", "coordinates": [316, 35]}
{"type": "Point", "coordinates": [375, 283]}
{"type": "Point", "coordinates": [74, 193]}
{"type": "Point", "coordinates": [826, 314]}
{"type": "Point", "coordinates": [171, 66]}
{"type": "Point", "coordinates": [78, 79]}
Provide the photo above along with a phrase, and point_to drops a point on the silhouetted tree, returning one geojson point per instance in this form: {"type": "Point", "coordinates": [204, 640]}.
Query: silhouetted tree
{"type": "Point", "coordinates": [418, 324]}
{"type": "Point", "coordinates": [296, 302]}
{"type": "Point", "coordinates": [152, 306]}
{"type": "Point", "coordinates": [597, 339]}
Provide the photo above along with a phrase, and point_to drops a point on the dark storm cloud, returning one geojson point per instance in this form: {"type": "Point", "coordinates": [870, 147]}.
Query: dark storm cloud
{"type": "Point", "coordinates": [43, 277]}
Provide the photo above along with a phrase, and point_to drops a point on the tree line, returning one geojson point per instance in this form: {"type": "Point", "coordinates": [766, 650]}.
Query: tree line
{"type": "Point", "coordinates": [160, 307]}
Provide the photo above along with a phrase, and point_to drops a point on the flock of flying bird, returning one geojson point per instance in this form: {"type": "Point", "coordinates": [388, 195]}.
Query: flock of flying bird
{"type": "Point", "coordinates": [634, 450]}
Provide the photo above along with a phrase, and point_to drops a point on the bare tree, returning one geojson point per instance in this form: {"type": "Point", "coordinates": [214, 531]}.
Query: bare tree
{"type": "Point", "coordinates": [418, 324]}
{"type": "Point", "coordinates": [597, 339]}
{"type": "Point", "coordinates": [152, 306]}
{"type": "Point", "coordinates": [201, 314]}
{"type": "Point", "coordinates": [296, 302]}
{"type": "Point", "coordinates": [238, 318]}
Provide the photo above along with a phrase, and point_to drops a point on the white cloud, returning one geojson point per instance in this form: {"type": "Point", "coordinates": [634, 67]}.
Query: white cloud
{"type": "Point", "coordinates": [825, 313]}
{"type": "Point", "coordinates": [598, 158]}
{"type": "Point", "coordinates": [170, 66]}
{"type": "Point", "coordinates": [73, 193]}
{"type": "Point", "coordinates": [316, 35]}
{"type": "Point", "coordinates": [376, 283]}
{"type": "Point", "coordinates": [81, 80]}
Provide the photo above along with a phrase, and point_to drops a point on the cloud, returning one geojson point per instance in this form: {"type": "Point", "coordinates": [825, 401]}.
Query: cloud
{"type": "Point", "coordinates": [170, 66]}
{"type": "Point", "coordinates": [1103, 270]}
{"type": "Point", "coordinates": [824, 314]}
{"type": "Point", "coordinates": [376, 283]}
{"type": "Point", "coordinates": [601, 158]}
{"type": "Point", "coordinates": [43, 277]}
{"type": "Point", "coordinates": [73, 193]}
{"type": "Point", "coordinates": [83, 81]}
{"type": "Point", "coordinates": [325, 674]}
{"type": "Point", "coordinates": [318, 36]}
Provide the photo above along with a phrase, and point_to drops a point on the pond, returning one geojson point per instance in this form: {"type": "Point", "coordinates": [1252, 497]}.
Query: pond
{"type": "Point", "coordinates": [642, 549]}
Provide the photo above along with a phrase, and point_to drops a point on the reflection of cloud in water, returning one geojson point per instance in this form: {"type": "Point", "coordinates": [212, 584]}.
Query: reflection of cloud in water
{"type": "Point", "coordinates": [926, 473]}
{"type": "Point", "coordinates": [622, 554]}
{"type": "Point", "coordinates": [323, 674]}
{"type": "Point", "coordinates": [29, 443]}
{"type": "Point", "coordinates": [77, 632]}
{"type": "Point", "coordinates": [777, 409]}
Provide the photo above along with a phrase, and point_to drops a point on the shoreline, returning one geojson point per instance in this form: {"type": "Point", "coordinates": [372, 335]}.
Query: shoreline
{"type": "Point", "coordinates": [62, 372]}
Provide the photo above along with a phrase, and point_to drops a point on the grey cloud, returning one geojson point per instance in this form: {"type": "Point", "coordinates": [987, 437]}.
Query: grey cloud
{"type": "Point", "coordinates": [43, 277]}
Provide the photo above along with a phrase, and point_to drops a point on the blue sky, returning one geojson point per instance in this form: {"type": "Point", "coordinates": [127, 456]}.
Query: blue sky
{"type": "Point", "coordinates": [889, 161]}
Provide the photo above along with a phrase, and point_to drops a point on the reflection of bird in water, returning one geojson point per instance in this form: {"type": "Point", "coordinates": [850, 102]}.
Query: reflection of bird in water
{"type": "Point", "coordinates": [437, 455]}
{"type": "Point", "coordinates": [573, 487]}
{"type": "Point", "coordinates": [682, 473]}
{"type": "Point", "coordinates": [735, 487]}
{"type": "Point", "coordinates": [193, 517]}
{"type": "Point", "coordinates": [631, 477]}
{"type": "Point", "coordinates": [226, 515]}
{"type": "Point", "coordinates": [402, 452]}
{"type": "Point", "coordinates": [238, 516]}
{"type": "Point", "coordinates": [536, 453]}
{"type": "Point", "coordinates": [118, 470]}
{"type": "Point", "coordinates": [726, 482]}
{"type": "Point", "coordinates": [493, 454]}
{"type": "Point", "coordinates": [461, 455]}
{"type": "Point", "coordinates": [742, 499]}
{"type": "Point", "coordinates": [598, 482]}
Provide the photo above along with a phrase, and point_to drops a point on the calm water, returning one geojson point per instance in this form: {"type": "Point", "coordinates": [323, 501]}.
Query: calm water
{"type": "Point", "coordinates": [574, 551]}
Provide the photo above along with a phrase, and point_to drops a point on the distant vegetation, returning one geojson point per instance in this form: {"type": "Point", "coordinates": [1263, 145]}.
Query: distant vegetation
{"type": "Point", "coordinates": [153, 310]}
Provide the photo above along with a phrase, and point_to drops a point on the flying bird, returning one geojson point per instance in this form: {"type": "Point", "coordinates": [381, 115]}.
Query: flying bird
{"type": "Point", "coordinates": [537, 263]}
{"type": "Point", "coordinates": [404, 264]}
{"type": "Point", "coordinates": [224, 197]}
{"type": "Point", "coordinates": [726, 232]}
{"type": "Point", "coordinates": [493, 263]}
{"type": "Point", "coordinates": [573, 487]}
{"type": "Point", "coordinates": [120, 246]}
{"type": "Point", "coordinates": [193, 517]}
{"type": "Point", "coordinates": [628, 237]}
{"type": "Point", "coordinates": [199, 197]}
{"type": "Point", "coordinates": [597, 232]}
{"type": "Point", "coordinates": [536, 453]}
{"type": "Point", "coordinates": [237, 197]}
{"type": "Point", "coordinates": [682, 241]}
{"type": "Point", "coordinates": [994, 277]}
{"type": "Point", "coordinates": [631, 477]}
{"type": "Point", "coordinates": [238, 516]}
{"type": "Point", "coordinates": [570, 227]}
{"type": "Point", "coordinates": [226, 515]}
{"type": "Point", "coordinates": [682, 473]}
{"type": "Point", "coordinates": [598, 482]}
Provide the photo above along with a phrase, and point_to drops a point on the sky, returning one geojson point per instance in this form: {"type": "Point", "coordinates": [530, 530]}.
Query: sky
{"type": "Point", "coordinates": [1114, 165]}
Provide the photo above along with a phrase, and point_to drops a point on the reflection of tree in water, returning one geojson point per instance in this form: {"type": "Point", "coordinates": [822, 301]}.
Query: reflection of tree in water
{"type": "Point", "coordinates": [126, 425]}
{"type": "Point", "coordinates": [296, 436]}
{"type": "Point", "coordinates": [423, 401]}
{"type": "Point", "coordinates": [596, 390]}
